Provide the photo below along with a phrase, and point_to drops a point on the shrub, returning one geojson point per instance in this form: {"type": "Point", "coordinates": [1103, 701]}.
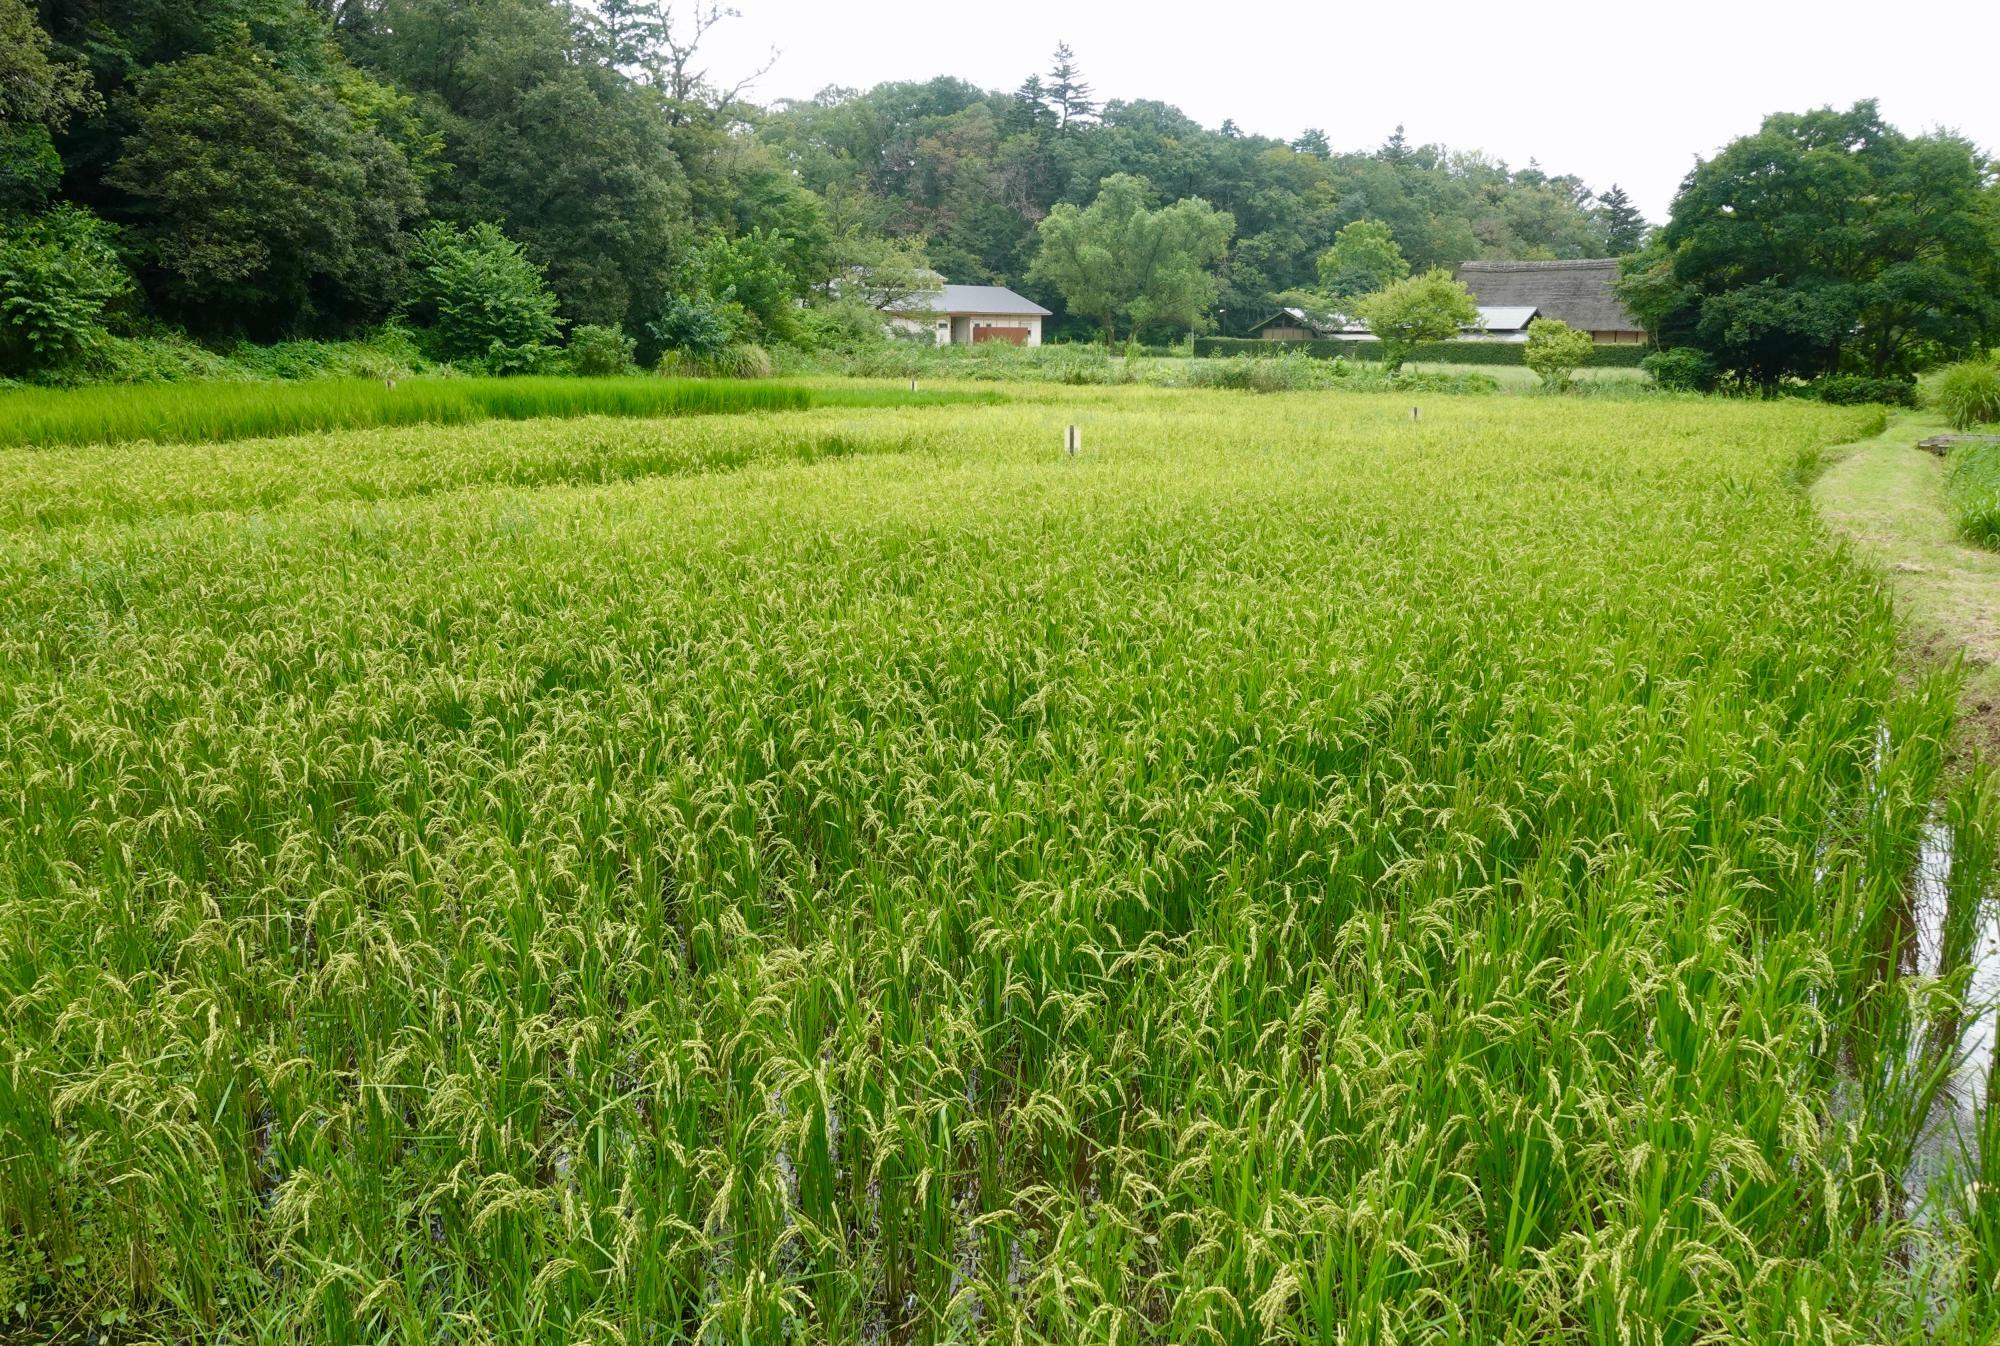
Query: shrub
{"type": "Point", "coordinates": [1681, 370]}
{"type": "Point", "coordinates": [696, 326]}
{"type": "Point", "coordinates": [1555, 351]}
{"type": "Point", "coordinates": [1968, 393]}
{"type": "Point", "coordinates": [1072, 364]}
{"type": "Point", "coordinates": [488, 305]}
{"type": "Point", "coordinates": [1302, 373]}
{"type": "Point", "coordinates": [1284, 374]}
{"type": "Point", "coordinates": [167, 358]}
{"type": "Point", "coordinates": [1505, 353]}
{"type": "Point", "coordinates": [1856, 390]}
{"type": "Point", "coordinates": [388, 352]}
{"type": "Point", "coordinates": [992, 362]}
{"type": "Point", "coordinates": [841, 325]}
{"type": "Point", "coordinates": [601, 352]}
{"type": "Point", "coordinates": [1455, 384]}
{"type": "Point", "coordinates": [745, 360]}
{"type": "Point", "coordinates": [59, 272]}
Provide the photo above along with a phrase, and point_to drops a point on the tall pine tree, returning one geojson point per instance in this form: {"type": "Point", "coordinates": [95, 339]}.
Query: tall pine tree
{"type": "Point", "coordinates": [1624, 226]}
{"type": "Point", "coordinates": [1068, 95]}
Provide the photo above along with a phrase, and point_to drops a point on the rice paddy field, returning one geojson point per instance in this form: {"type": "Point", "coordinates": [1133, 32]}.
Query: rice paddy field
{"type": "Point", "coordinates": [1289, 873]}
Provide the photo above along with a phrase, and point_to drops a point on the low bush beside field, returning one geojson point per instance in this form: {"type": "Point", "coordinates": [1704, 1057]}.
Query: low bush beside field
{"type": "Point", "coordinates": [1505, 353]}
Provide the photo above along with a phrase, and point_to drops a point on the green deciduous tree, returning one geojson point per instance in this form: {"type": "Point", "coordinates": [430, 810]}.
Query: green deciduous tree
{"type": "Point", "coordinates": [1404, 315]}
{"type": "Point", "coordinates": [258, 200]}
{"type": "Point", "coordinates": [1122, 260]}
{"type": "Point", "coordinates": [58, 273]}
{"type": "Point", "coordinates": [884, 274]}
{"type": "Point", "coordinates": [1364, 258]}
{"type": "Point", "coordinates": [1770, 331]}
{"type": "Point", "coordinates": [1555, 351]}
{"type": "Point", "coordinates": [1681, 369]}
{"type": "Point", "coordinates": [39, 94]}
{"type": "Point", "coordinates": [1829, 240]}
{"type": "Point", "coordinates": [748, 272]}
{"type": "Point", "coordinates": [545, 134]}
{"type": "Point", "coordinates": [485, 303]}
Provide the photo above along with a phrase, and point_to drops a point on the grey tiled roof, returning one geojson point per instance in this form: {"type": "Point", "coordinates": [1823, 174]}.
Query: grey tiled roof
{"type": "Point", "coordinates": [996, 300]}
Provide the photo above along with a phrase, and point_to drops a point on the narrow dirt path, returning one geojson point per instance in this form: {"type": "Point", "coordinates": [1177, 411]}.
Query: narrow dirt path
{"type": "Point", "coordinates": [1888, 498]}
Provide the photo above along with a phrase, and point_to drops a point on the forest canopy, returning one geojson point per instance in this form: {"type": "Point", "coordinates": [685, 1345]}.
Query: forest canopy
{"type": "Point", "coordinates": [265, 169]}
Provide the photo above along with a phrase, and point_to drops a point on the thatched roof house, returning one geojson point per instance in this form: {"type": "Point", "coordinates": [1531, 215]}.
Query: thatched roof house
{"type": "Point", "coordinates": [1579, 293]}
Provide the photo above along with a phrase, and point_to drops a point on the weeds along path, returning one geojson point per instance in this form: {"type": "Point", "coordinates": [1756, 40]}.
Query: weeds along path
{"type": "Point", "coordinates": [1288, 873]}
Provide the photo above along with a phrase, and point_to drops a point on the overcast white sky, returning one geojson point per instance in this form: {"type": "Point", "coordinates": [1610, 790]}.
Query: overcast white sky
{"type": "Point", "coordinates": [1613, 91]}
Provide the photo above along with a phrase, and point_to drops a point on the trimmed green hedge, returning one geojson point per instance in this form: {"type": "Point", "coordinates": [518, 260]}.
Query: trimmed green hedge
{"type": "Point", "coordinates": [1435, 352]}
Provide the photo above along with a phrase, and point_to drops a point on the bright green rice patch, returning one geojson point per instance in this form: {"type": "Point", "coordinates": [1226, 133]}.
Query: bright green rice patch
{"type": "Point", "coordinates": [220, 412]}
{"type": "Point", "coordinates": [1287, 874]}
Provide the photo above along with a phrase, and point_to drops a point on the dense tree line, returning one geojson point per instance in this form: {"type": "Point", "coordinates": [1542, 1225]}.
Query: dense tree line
{"type": "Point", "coordinates": [973, 173]}
{"type": "Point", "coordinates": [268, 169]}
{"type": "Point", "coordinates": [1827, 243]}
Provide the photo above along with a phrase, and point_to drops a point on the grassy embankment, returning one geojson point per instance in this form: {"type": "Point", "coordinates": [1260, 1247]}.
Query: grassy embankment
{"type": "Point", "coordinates": [1909, 516]}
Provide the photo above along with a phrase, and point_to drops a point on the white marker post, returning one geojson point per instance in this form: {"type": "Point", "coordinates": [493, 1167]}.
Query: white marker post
{"type": "Point", "coordinates": [1072, 441]}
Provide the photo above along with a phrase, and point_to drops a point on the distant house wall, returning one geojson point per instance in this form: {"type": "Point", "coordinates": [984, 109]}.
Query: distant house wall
{"type": "Point", "coordinates": [922, 325]}
{"type": "Point", "coordinates": [964, 329]}
{"type": "Point", "coordinates": [1287, 334]}
{"type": "Point", "coordinates": [1008, 323]}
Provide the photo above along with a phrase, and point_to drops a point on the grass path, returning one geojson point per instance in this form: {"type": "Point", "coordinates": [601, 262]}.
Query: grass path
{"type": "Point", "coordinates": [1889, 499]}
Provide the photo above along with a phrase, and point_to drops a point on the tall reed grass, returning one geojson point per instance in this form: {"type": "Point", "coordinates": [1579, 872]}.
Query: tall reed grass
{"type": "Point", "coordinates": [1288, 873]}
{"type": "Point", "coordinates": [1972, 492]}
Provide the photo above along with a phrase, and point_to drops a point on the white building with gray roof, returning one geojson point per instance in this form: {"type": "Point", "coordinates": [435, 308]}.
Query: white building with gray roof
{"type": "Point", "coordinates": [968, 315]}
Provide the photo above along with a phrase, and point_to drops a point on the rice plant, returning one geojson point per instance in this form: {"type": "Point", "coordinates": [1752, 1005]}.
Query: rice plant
{"type": "Point", "coordinates": [220, 412]}
{"type": "Point", "coordinates": [1289, 873]}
